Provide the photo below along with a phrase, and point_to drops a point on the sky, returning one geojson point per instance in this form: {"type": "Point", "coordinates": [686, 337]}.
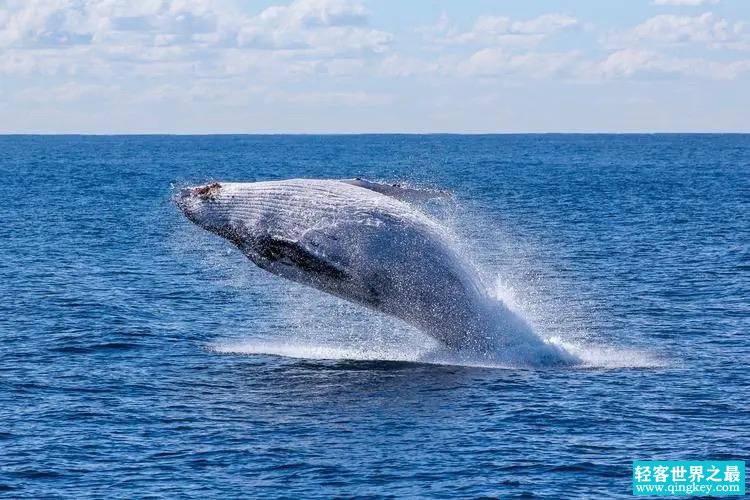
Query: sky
{"type": "Point", "coordinates": [355, 66]}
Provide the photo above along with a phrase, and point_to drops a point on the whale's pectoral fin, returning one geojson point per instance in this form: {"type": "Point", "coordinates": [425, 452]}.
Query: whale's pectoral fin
{"type": "Point", "coordinates": [276, 250]}
{"type": "Point", "coordinates": [399, 191]}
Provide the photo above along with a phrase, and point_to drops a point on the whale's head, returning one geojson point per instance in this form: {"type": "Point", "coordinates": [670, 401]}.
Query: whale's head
{"type": "Point", "coordinates": [210, 206]}
{"type": "Point", "coordinates": [274, 224]}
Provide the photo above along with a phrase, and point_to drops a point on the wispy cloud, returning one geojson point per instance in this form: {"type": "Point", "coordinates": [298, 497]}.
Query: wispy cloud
{"type": "Point", "coordinates": [497, 62]}
{"type": "Point", "coordinates": [631, 63]}
{"type": "Point", "coordinates": [705, 29]}
{"type": "Point", "coordinates": [498, 30]}
{"type": "Point", "coordinates": [689, 3]}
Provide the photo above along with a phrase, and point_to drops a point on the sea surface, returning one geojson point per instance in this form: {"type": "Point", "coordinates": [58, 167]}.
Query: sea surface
{"type": "Point", "coordinates": [142, 356]}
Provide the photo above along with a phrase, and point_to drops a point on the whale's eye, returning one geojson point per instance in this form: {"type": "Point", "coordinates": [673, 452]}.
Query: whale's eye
{"type": "Point", "coordinates": [208, 191]}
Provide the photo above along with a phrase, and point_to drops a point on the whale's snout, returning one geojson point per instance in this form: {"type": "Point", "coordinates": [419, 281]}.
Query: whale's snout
{"type": "Point", "coordinates": [184, 199]}
{"type": "Point", "coordinates": [207, 191]}
{"type": "Point", "coordinates": [184, 194]}
{"type": "Point", "coordinates": [195, 203]}
{"type": "Point", "coordinates": [189, 197]}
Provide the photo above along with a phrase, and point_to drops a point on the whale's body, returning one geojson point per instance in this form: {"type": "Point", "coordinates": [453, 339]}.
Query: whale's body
{"type": "Point", "coordinates": [349, 239]}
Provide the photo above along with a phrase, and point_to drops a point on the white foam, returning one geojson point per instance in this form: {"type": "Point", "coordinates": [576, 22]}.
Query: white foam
{"type": "Point", "coordinates": [592, 356]}
{"type": "Point", "coordinates": [306, 350]}
{"type": "Point", "coordinates": [611, 357]}
{"type": "Point", "coordinates": [346, 353]}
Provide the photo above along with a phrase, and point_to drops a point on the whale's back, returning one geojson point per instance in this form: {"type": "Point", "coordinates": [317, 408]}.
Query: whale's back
{"type": "Point", "coordinates": [293, 207]}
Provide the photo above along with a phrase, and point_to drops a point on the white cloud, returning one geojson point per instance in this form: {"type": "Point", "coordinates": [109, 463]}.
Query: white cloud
{"type": "Point", "coordinates": [59, 23]}
{"type": "Point", "coordinates": [397, 65]}
{"type": "Point", "coordinates": [190, 34]}
{"type": "Point", "coordinates": [498, 62]}
{"type": "Point", "coordinates": [316, 99]}
{"type": "Point", "coordinates": [68, 92]}
{"type": "Point", "coordinates": [508, 50]}
{"type": "Point", "coordinates": [631, 63]}
{"type": "Point", "coordinates": [499, 30]}
{"type": "Point", "coordinates": [705, 29]}
{"type": "Point", "coordinates": [317, 13]}
{"type": "Point", "coordinates": [200, 92]}
{"type": "Point", "coordinates": [43, 24]}
{"type": "Point", "coordinates": [326, 26]}
{"type": "Point", "coordinates": [689, 3]}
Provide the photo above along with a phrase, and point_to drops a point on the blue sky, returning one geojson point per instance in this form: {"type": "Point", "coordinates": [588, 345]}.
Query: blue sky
{"type": "Point", "coordinates": [337, 66]}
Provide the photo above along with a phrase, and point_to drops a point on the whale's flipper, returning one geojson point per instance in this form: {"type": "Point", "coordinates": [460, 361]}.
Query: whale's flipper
{"type": "Point", "coordinates": [399, 191]}
{"type": "Point", "coordinates": [274, 249]}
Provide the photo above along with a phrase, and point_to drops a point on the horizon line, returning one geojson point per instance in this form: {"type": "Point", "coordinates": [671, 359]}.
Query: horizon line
{"type": "Point", "coordinates": [465, 133]}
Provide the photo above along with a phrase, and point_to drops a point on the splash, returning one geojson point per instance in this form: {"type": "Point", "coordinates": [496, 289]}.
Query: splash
{"type": "Point", "coordinates": [594, 356]}
{"type": "Point", "coordinates": [315, 326]}
{"type": "Point", "coordinates": [349, 333]}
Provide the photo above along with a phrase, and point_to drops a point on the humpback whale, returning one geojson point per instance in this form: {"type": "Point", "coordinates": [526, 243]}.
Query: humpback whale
{"type": "Point", "coordinates": [369, 244]}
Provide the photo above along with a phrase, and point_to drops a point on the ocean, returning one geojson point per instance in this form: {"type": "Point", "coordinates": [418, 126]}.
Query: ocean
{"type": "Point", "coordinates": [142, 356]}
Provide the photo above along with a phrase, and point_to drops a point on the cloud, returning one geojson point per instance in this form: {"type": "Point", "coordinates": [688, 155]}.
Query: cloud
{"type": "Point", "coordinates": [493, 62]}
{"type": "Point", "coordinates": [657, 48]}
{"type": "Point", "coordinates": [66, 93]}
{"type": "Point", "coordinates": [191, 34]}
{"type": "Point", "coordinates": [398, 65]}
{"type": "Point", "coordinates": [326, 99]}
{"type": "Point", "coordinates": [498, 30]}
{"type": "Point", "coordinates": [689, 3]}
{"type": "Point", "coordinates": [58, 24]}
{"type": "Point", "coordinates": [508, 49]}
{"type": "Point", "coordinates": [326, 26]}
{"type": "Point", "coordinates": [705, 29]}
{"type": "Point", "coordinates": [317, 13]}
{"type": "Point", "coordinates": [43, 24]}
{"type": "Point", "coordinates": [183, 56]}
{"type": "Point", "coordinates": [630, 63]}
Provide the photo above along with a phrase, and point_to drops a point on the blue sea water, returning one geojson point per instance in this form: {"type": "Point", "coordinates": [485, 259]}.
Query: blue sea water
{"type": "Point", "coordinates": [142, 356]}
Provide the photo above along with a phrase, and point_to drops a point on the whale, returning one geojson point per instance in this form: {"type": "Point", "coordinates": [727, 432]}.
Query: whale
{"type": "Point", "coordinates": [371, 244]}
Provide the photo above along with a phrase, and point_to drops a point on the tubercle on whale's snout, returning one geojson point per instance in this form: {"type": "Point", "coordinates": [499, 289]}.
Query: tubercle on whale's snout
{"type": "Point", "coordinates": [205, 192]}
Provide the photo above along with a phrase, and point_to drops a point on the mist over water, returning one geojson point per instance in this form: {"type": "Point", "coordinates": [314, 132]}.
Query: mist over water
{"type": "Point", "coordinates": [143, 356]}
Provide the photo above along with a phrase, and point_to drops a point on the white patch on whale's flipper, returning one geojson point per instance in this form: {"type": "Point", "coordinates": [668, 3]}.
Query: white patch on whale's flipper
{"type": "Point", "coordinates": [399, 191]}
